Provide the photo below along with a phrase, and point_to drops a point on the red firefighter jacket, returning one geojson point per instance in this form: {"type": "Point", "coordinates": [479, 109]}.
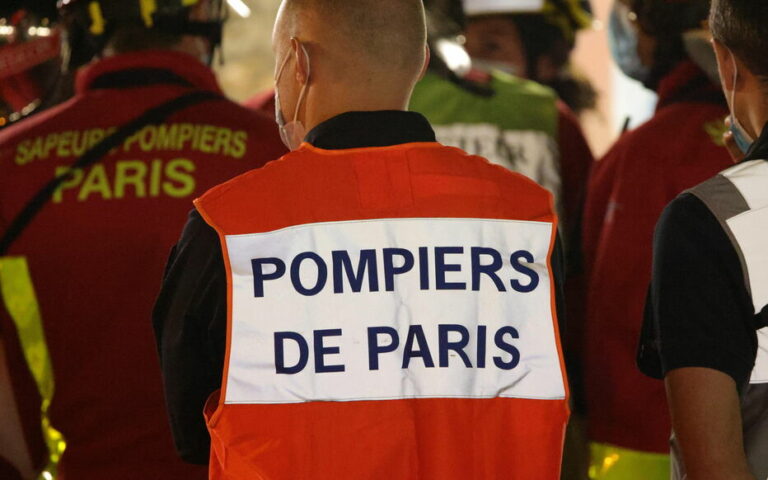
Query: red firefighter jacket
{"type": "Point", "coordinates": [645, 170]}
{"type": "Point", "coordinates": [96, 251]}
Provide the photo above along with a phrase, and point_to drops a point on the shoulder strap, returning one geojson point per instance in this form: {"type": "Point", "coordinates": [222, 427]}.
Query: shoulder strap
{"type": "Point", "coordinates": [153, 116]}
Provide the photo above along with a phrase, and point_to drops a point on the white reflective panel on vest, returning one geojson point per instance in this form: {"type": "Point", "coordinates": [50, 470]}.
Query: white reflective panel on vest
{"type": "Point", "coordinates": [390, 309]}
{"type": "Point", "coordinates": [760, 372]}
{"type": "Point", "coordinates": [751, 232]}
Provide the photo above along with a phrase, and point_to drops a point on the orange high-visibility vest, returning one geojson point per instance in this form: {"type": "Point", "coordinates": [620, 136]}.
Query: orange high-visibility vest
{"type": "Point", "coordinates": [391, 316]}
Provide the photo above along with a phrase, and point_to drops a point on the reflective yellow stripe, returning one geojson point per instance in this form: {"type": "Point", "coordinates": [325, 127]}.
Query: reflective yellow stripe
{"type": "Point", "coordinates": [609, 462]}
{"type": "Point", "coordinates": [20, 301]}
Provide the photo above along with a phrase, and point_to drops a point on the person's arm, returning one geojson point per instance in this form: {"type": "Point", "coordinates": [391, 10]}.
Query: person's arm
{"type": "Point", "coordinates": [189, 319]}
{"type": "Point", "coordinates": [707, 337]}
{"type": "Point", "coordinates": [706, 418]}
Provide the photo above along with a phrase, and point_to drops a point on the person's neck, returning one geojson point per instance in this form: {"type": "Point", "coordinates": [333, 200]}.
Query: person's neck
{"type": "Point", "coordinates": [326, 105]}
{"type": "Point", "coordinates": [758, 114]}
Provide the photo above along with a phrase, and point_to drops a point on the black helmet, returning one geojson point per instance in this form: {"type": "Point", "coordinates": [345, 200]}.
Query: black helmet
{"type": "Point", "coordinates": [91, 23]}
{"type": "Point", "coordinates": [445, 28]}
{"type": "Point", "coordinates": [445, 18]}
{"type": "Point", "coordinates": [30, 57]}
{"type": "Point", "coordinates": [681, 26]}
{"type": "Point", "coordinates": [670, 17]}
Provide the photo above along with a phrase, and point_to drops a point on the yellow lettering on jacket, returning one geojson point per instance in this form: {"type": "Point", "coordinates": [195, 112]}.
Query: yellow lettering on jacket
{"type": "Point", "coordinates": [181, 183]}
{"type": "Point", "coordinates": [74, 180]}
{"type": "Point", "coordinates": [22, 152]}
{"type": "Point", "coordinates": [174, 137]}
{"type": "Point", "coordinates": [132, 173]}
{"type": "Point", "coordinates": [128, 179]}
{"type": "Point", "coordinates": [239, 144]}
{"type": "Point", "coordinates": [95, 182]}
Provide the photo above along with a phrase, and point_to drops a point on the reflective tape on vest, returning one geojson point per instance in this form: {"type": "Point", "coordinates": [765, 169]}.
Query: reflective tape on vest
{"type": "Point", "coordinates": [393, 309]}
{"type": "Point", "coordinates": [609, 462]}
{"type": "Point", "coordinates": [749, 231]}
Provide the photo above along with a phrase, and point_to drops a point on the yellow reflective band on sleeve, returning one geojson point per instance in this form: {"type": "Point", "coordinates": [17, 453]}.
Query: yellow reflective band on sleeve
{"type": "Point", "coordinates": [97, 18]}
{"type": "Point", "coordinates": [20, 301]}
{"type": "Point", "coordinates": [609, 462]}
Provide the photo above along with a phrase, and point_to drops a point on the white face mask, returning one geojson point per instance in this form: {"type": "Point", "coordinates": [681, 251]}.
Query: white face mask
{"type": "Point", "coordinates": [292, 133]}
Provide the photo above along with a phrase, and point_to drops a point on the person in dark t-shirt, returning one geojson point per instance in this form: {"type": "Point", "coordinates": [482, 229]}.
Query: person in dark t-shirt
{"type": "Point", "coordinates": [705, 331]}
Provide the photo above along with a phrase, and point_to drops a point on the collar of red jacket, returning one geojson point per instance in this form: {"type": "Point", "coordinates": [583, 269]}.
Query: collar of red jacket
{"type": "Point", "coordinates": [687, 82]}
{"type": "Point", "coordinates": [181, 64]}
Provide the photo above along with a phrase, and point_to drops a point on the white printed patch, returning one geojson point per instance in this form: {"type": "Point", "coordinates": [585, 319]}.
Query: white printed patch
{"type": "Point", "coordinates": [390, 309]}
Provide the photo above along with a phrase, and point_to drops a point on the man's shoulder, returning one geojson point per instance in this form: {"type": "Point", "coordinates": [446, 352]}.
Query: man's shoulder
{"type": "Point", "coordinates": [483, 168]}
{"type": "Point", "coordinates": [751, 179]}
{"type": "Point", "coordinates": [665, 142]}
{"type": "Point", "coordinates": [248, 180]}
{"type": "Point", "coordinates": [690, 218]}
{"type": "Point", "coordinates": [430, 160]}
{"type": "Point", "coordinates": [685, 209]}
{"type": "Point", "coordinates": [687, 125]}
{"type": "Point", "coordinates": [736, 190]}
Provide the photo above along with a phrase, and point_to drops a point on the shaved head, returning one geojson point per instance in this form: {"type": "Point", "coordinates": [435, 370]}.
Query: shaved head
{"type": "Point", "coordinates": [337, 56]}
{"type": "Point", "coordinates": [378, 36]}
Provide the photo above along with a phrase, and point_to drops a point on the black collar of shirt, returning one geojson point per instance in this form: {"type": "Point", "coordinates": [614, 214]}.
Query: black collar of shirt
{"type": "Point", "coordinates": [759, 150]}
{"type": "Point", "coordinates": [371, 129]}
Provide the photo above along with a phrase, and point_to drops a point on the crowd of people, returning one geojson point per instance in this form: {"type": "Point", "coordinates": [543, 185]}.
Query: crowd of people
{"type": "Point", "coordinates": [400, 262]}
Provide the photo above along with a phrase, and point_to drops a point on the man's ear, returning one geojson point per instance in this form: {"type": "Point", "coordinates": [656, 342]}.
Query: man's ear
{"type": "Point", "coordinates": [725, 65]}
{"type": "Point", "coordinates": [303, 68]}
{"type": "Point", "coordinates": [427, 57]}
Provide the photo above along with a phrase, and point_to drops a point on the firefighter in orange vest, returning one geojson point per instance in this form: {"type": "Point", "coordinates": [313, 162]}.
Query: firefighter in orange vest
{"type": "Point", "coordinates": [390, 302]}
